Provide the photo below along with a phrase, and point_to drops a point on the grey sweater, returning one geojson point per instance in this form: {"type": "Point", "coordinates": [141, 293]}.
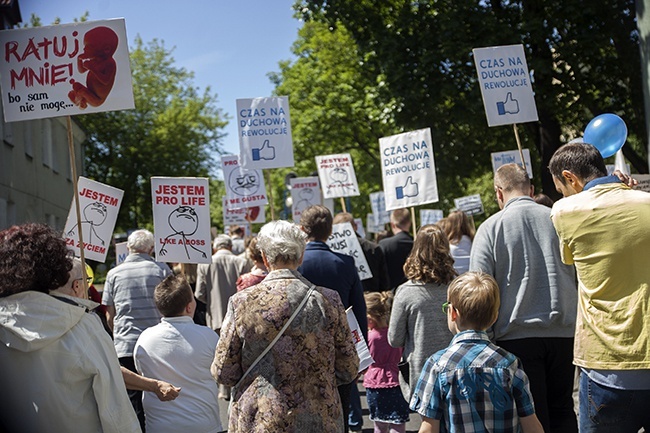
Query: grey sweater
{"type": "Point", "coordinates": [520, 248]}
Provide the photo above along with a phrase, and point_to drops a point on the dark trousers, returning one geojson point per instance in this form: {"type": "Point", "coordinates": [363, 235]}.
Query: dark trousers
{"type": "Point", "coordinates": [548, 363]}
{"type": "Point", "coordinates": [135, 396]}
{"type": "Point", "coordinates": [344, 395]}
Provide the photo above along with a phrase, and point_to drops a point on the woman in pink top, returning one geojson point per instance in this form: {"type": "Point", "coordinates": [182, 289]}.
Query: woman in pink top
{"type": "Point", "coordinates": [259, 271]}
{"type": "Point", "coordinates": [388, 409]}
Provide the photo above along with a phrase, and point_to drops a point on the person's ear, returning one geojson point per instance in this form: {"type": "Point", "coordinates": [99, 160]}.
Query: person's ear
{"type": "Point", "coordinates": [532, 191]}
{"type": "Point", "coordinates": [573, 181]}
{"type": "Point", "coordinates": [454, 313]}
{"type": "Point", "coordinates": [266, 262]}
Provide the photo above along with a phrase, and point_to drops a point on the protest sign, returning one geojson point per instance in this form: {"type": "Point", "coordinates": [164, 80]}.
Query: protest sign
{"type": "Point", "coordinates": [365, 359]}
{"type": "Point", "coordinates": [612, 167]}
{"type": "Point", "coordinates": [64, 70]}
{"type": "Point", "coordinates": [471, 204]}
{"type": "Point", "coordinates": [378, 206]}
{"type": "Point", "coordinates": [512, 157]}
{"type": "Point", "coordinates": [373, 227]}
{"type": "Point", "coordinates": [305, 192]}
{"type": "Point", "coordinates": [505, 85]}
{"type": "Point", "coordinates": [360, 229]}
{"type": "Point", "coordinates": [644, 182]}
{"type": "Point", "coordinates": [181, 219]}
{"type": "Point", "coordinates": [430, 216]}
{"type": "Point", "coordinates": [121, 251]}
{"type": "Point", "coordinates": [408, 169]}
{"type": "Point", "coordinates": [265, 132]}
{"type": "Point", "coordinates": [251, 215]}
{"type": "Point", "coordinates": [337, 176]}
{"type": "Point", "coordinates": [244, 187]}
{"type": "Point", "coordinates": [100, 205]}
{"type": "Point", "coordinates": [344, 240]}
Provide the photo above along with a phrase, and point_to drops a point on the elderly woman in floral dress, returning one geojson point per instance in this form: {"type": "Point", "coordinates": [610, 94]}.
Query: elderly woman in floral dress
{"type": "Point", "coordinates": [293, 387]}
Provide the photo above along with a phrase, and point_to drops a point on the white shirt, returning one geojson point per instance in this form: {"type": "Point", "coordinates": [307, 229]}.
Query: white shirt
{"type": "Point", "coordinates": [179, 352]}
{"type": "Point", "coordinates": [460, 253]}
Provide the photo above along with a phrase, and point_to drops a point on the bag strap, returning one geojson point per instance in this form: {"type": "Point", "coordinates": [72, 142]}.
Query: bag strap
{"type": "Point", "coordinates": [277, 337]}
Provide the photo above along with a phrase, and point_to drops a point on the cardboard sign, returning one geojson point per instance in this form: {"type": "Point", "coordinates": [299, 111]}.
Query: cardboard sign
{"type": "Point", "coordinates": [265, 132]}
{"type": "Point", "coordinates": [305, 192]}
{"type": "Point", "coordinates": [65, 70]}
{"type": "Point", "coordinates": [430, 216]}
{"type": "Point", "coordinates": [344, 240]}
{"type": "Point", "coordinates": [100, 205]}
{"type": "Point", "coordinates": [251, 215]}
{"type": "Point", "coordinates": [408, 169]}
{"type": "Point", "coordinates": [373, 227]}
{"type": "Point", "coordinates": [365, 360]}
{"type": "Point", "coordinates": [244, 187]}
{"type": "Point", "coordinates": [471, 204]}
{"type": "Point", "coordinates": [378, 206]}
{"type": "Point", "coordinates": [337, 176]}
{"type": "Point", "coordinates": [181, 219]}
{"type": "Point", "coordinates": [121, 252]}
{"type": "Point", "coordinates": [505, 85]}
{"type": "Point", "coordinates": [360, 230]}
{"type": "Point", "coordinates": [644, 182]}
{"type": "Point", "coordinates": [511, 157]}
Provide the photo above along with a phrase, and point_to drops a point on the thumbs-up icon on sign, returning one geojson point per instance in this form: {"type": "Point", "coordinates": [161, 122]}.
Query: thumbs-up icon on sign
{"type": "Point", "coordinates": [266, 152]}
{"type": "Point", "coordinates": [410, 189]}
{"type": "Point", "coordinates": [510, 106]}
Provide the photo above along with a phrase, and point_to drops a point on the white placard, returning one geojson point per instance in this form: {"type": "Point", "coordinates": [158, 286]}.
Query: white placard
{"type": "Point", "coordinates": [360, 230]}
{"type": "Point", "coordinates": [305, 192]}
{"type": "Point", "coordinates": [337, 176]}
{"type": "Point", "coordinates": [505, 85]}
{"type": "Point", "coordinates": [644, 182]}
{"type": "Point", "coordinates": [344, 240]}
{"type": "Point", "coordinates": [100, 205]}
{"type": "Point", "coordinates": [244, 187]}
{"type": "Point", "coordinates": [611, 168]}
{"type": "Point", "coordinates": [242, 215]}
{"type": "Point", "coordinates": [471, 204]}
{"type": "Point", "coordinates": [511, 157]}
{"type": "Point", "coordinates": [121, 252]}
{"type": "Point", "coordinates": [365, 360]}
{"type": "Point", "coordinates": [378, 206]}
{"type": "Point", "coordinates": [64, 70]}
{"type": "Point", "coordinates": [430, 216]}
{"type": "Point", "coordinates": [181, 219]}
{"type": "Point", "coordinates": [265, 132]}
{"type": "Point", "coordinates": [373, 227]}
{"type": "Point", "coordinates": [408, 169]}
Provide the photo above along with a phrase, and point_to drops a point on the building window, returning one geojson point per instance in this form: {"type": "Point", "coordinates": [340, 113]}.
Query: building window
{"type": "Point", "coordinates": [7, 214]}
{"type": "Point", "coordinates": [30, 126]}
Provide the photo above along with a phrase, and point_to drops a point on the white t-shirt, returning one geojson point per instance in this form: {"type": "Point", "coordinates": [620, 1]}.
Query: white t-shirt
{"type": "Point", "coordinates": [179, 352]}
{"type": "Point", "coordinates": [460, 253]}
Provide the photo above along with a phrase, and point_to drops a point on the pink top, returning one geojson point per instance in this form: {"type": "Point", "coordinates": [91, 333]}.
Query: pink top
{"type": "Point", "coordinates": [383, 373]}
{"type": "Point", "coordinates": [255, 276]}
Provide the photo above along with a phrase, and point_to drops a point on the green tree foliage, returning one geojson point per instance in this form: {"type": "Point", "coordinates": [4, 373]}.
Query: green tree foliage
{"type": "Point", "coordinates": [584, 59]}
{"type": "Point", "coordinates": [173, 131]}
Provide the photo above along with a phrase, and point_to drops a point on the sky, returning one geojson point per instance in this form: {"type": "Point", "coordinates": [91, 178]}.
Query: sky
{"type": "Point", "coordinates": [230, 45]}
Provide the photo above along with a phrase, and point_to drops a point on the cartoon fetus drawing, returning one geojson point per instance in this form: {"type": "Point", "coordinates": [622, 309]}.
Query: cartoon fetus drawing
{"type": "Point", "coordinates": [100, 44]}
{"type": "Point", "coordinates": [94, 215]}
{"type": "Point", "coordinates": [306, 200]}
{"type": "Point", "coordinates": [184, 222]}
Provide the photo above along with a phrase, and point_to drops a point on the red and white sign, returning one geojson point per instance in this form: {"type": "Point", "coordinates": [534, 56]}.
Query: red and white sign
{"type": "Point", "coordinates": [244, 187]}
{"type": "Point", "coordinates": [337, 176]}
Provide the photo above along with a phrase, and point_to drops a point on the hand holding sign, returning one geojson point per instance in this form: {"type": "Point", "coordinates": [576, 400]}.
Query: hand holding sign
{"type": "Point", "coordinates": [510, 106]}
{"type": "Point", "coordinates": [410, 189]}
{"type": "Point", "coordinates": [266, 152]}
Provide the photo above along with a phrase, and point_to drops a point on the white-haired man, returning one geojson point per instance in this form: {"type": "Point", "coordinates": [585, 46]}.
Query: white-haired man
{"type": "Point", "coordinates": [128, 296]}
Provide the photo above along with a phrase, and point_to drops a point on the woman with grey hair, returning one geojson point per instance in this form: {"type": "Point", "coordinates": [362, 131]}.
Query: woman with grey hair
{"type": "Point", "coordinates": [292, 386]}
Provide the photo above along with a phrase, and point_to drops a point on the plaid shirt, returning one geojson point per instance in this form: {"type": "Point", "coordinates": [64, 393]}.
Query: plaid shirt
{"type": "Point", "coordinates": [473, 386]}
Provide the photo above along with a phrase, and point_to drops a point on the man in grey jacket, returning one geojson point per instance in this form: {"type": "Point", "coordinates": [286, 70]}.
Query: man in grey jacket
{"type": "Point", "coordinates": [520, 248]}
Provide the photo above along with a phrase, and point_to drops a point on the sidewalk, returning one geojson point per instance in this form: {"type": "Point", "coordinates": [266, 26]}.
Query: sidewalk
{"type": "Point", "coordinates": [411, 427]}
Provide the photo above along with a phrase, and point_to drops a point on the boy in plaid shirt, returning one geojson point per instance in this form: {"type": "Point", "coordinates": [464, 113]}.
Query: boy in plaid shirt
{"type": "Point", "coordinates": [473, 385]}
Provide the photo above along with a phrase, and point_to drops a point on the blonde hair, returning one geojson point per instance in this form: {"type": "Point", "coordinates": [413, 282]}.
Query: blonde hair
{"type": "Point", "coordinates": [430, 261]}
{"type": "Point", "coordinates": [378, 305]}
{"type": "Point", "coordinates": [475, 295]}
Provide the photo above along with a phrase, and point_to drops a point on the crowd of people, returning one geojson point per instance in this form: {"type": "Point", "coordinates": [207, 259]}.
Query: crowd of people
{"type": "Point", "coordinates": [473, 330]}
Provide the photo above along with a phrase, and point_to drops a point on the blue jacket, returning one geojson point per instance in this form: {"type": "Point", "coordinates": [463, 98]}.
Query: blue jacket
{"type": "Point", "coordinates": [324, 267]}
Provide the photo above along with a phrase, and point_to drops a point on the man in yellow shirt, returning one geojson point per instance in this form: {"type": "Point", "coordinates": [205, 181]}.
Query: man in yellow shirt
{"type": "Point", "coordinates": [604, 229]}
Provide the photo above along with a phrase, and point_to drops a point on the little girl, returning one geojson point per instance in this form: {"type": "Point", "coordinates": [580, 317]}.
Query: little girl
{"type": "Point", "coordinates": [388, 409]}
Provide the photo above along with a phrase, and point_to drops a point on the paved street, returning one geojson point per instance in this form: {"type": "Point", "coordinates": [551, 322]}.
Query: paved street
{"type": "Point", "coordinates": [411, 427]}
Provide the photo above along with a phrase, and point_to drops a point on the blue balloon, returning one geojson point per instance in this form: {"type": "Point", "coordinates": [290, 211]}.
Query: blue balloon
{"type": "Point", "coordinates": [607, 133]}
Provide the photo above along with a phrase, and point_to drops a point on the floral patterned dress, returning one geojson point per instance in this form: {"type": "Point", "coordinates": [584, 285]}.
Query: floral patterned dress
{"type": "Point", "coordinates": [293, 389]}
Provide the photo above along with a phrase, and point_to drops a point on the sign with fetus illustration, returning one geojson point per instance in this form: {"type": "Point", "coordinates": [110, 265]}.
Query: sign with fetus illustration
{"type": "Point", "coordinates": [305, 192]}
{"type": "Point", "coordinates": [65, 69]}
{"type": "Point", "coordinates": [181, 219]}
{"type": "Point", "coordinates": [337, 176]}
{"type": "Point", "coordinates": [100, 205]}
{"type": "Point", "coordinates": [244, 187]}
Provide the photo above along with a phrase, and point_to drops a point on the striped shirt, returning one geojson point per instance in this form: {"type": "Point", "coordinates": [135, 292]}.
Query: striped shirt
{"type": "Point", "coordinates": [129, 288]}
{"type": "Point", "coordinates": [473, 386]}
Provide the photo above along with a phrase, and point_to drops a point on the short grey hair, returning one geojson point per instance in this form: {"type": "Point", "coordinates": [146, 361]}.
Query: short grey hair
{"type": "Point", "coordinates": [222, 241]}
{"type": "Point", "coordinates": [282, 242]}
{"type": "Point", "coordinates": [140, 241]}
